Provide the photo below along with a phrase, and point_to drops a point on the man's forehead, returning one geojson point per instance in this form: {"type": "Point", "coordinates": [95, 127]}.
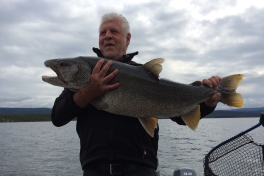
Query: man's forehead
{"type": "Point", "coordinates": [113, 24]}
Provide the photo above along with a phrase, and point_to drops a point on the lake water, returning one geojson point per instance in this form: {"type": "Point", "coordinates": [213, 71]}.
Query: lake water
{"type": "Point", "coordinates": [39, 148]}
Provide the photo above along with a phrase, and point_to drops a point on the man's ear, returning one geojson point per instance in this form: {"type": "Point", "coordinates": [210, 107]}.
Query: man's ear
{"type": "Point", "coordinates": [128, 37]}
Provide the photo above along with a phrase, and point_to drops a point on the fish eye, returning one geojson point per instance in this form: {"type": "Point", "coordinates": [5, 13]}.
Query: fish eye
{"type": "Point", "coordinates": [62, 64]}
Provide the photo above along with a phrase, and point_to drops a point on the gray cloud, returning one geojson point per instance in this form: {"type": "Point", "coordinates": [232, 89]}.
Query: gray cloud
{"type": "Point", "coordinates": [205, 7]}
{"type": "Point", "coordinates": [34, 31]}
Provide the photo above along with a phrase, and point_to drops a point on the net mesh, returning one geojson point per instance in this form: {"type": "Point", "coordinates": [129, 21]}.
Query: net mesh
{"type": "Point", "coordinates": [240, 156]}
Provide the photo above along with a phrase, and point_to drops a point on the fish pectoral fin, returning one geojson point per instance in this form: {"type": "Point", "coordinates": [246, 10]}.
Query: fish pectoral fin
{"type": "Point", "coordinates": [192, 118]}
{"type": "Point", "coordinates": [149, 124]}
{"type": "Point", "coordinates": [154, 66]}
{"type": "Point", "coordinates": [197, 83]}
{"type": "Point", "coordinates": [100, 103]}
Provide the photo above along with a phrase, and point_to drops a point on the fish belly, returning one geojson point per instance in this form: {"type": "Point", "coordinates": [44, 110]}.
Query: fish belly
{"type": "Point", "coordinates": [137, 101]}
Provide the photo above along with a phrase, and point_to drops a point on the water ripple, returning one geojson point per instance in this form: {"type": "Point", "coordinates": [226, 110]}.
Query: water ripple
{"type": "Point", "coordinates": [39, 148]}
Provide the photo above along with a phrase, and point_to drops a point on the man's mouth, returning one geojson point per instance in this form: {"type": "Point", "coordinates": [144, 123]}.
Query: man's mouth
{"type": "Point", "coordinates": [109, 44]}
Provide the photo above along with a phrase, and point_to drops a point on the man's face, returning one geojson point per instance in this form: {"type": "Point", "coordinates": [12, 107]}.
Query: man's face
{"type": "Point", "coordinates": [112, 40]}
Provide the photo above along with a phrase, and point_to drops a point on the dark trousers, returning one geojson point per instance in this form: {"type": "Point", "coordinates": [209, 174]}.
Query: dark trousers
{"type": "Point", "coordinates": [93, 170]}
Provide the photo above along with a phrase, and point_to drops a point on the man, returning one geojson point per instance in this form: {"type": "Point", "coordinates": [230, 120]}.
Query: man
{"type": "Point", "coordinates": [113, 144]}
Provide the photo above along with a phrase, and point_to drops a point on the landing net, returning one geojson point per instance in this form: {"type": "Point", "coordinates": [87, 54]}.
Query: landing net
{"type": "Point", "coordinates": [237, 156]}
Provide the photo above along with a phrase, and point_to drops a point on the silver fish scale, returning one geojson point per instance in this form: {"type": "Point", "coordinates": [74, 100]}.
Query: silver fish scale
{"type": "Point", "coordinates": [138, 97]}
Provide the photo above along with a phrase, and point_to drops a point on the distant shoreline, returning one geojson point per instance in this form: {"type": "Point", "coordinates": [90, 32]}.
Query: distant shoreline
{"type": "Point", "coordinates": [44, 114]}
{"type": "Point", "coordinates": [25, 118]}
{"type": "Point", "coordinates": [47, 117]}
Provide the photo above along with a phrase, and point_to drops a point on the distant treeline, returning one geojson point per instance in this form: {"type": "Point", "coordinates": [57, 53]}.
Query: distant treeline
{"type": "Point", "coordinates": [44, 114]}
{"type": "Point", "coordinates": [25, 110]}
{"type": "Point", "coordinates": [228, 114]}
{"type": "Point", "coordinates": [47, 117]}
{"type": "Point", "coordinates": [25, 117]}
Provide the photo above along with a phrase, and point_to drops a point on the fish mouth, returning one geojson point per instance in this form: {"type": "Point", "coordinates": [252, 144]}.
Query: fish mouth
{"type": "Point", "coordinates": [59, 79]}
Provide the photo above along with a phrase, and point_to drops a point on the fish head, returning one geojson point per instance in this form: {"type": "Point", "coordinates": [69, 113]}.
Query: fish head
{"type": "Point", "coordinates": [71, 73]}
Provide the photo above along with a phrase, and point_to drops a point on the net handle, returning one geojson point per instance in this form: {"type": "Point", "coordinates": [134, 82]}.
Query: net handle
{"type": "Point", "coordinates": [261, 120]}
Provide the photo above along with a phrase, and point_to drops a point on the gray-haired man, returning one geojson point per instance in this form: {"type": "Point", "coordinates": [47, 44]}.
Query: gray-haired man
{"type": "Point", "coordinates": [110, 143]}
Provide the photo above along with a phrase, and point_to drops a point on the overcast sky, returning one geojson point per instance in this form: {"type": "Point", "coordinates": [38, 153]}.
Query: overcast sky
{"type": "Point", "coordinates": [197, 39]}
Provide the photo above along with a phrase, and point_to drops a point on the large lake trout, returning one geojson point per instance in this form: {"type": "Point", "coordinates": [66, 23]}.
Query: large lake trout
{"type": "Point", "coordinates": [142, 94]}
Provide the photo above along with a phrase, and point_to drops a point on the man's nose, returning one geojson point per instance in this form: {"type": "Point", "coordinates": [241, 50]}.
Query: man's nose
{"type": "Point", "coordinates": [108, 35]}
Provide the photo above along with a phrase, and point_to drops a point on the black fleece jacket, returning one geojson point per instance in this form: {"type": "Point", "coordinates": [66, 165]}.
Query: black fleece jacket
{"type": "Point", "coordinates": [107, 137]}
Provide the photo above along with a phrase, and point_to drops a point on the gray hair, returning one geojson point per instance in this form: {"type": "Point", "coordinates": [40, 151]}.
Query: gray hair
{"type": "Point", "coordinates": [112, 16]}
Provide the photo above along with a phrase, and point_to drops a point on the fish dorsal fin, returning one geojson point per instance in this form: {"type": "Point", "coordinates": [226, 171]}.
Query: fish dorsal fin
{"type": "Point", "coordinates": [192, 118]}
{"type": "Point", "coordinates": [149, 124]}
{"type": "Point", "coordinates": [154, 66]}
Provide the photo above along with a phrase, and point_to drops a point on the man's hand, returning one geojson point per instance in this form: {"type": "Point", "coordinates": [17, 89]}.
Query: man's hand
{"type": "Point", "coordinates": [98, 84]}
{"type": "Point", "coordinates": [100, 81]}
{"type": "Point", "coordinates": [213, 82]}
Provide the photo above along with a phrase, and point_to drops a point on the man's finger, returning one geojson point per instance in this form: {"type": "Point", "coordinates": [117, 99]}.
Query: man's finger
{"type": "Point", "coordinates": [113, 86]}
{"type": "Point", "coordinates": [212, 82]}
{"type": "Point", "coordinates": [111, 75]}
{"type": "Point", "coordinates": [213, 100]}
{"type": "Point", "coordinates": [207, 83]}
{"type": "Point", "coordinates": [98, 66]}
{"type": "Point", "coordinates": [216, 80]}
{"type": "Point", "coordinates": [106, 68]}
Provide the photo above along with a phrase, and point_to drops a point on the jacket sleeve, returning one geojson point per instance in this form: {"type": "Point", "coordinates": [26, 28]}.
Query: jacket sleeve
{"type": "Point", "coordinates": [205, 110]}
{"type": "Point", "coordinates": [64, 109]}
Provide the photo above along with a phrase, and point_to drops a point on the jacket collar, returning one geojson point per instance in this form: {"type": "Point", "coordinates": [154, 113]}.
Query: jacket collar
{"type": "Point", "coordinates": [125, 58]}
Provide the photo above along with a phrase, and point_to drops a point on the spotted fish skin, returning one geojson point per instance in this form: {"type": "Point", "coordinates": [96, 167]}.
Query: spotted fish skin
{"type": "Point", "coordinates": [142, 94]}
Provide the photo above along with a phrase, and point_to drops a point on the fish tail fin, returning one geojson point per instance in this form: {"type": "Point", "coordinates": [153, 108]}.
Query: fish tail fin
{"type": "Point", "coordinates": [149, 124]}
{"type": "Point", "coordinates": [192, 118]}
{"type": "Point", "coordinates": [228, 90]}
